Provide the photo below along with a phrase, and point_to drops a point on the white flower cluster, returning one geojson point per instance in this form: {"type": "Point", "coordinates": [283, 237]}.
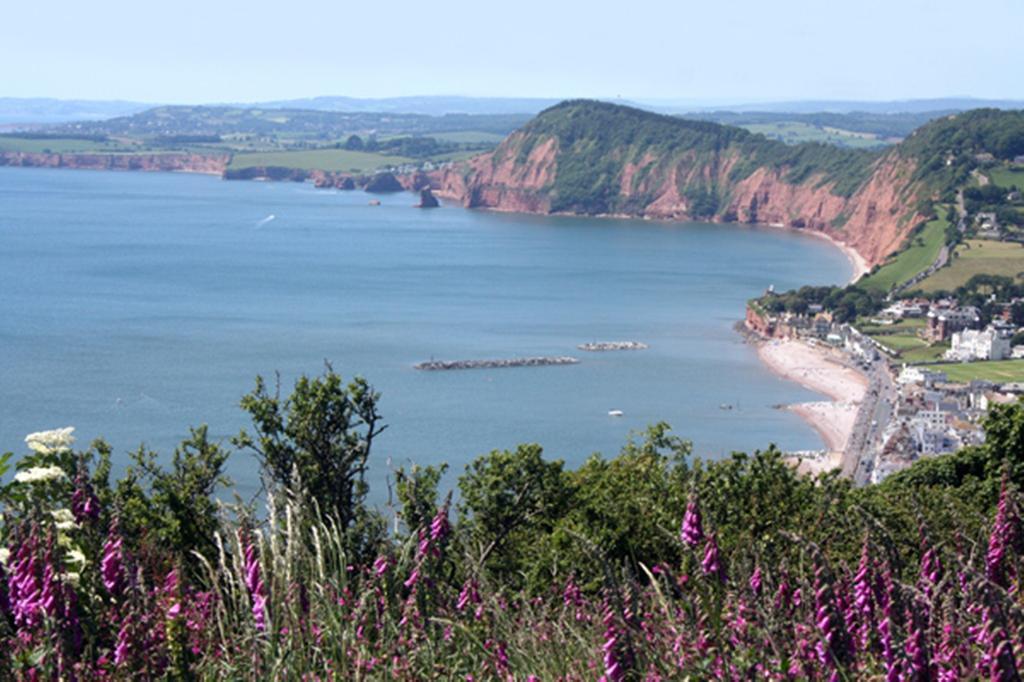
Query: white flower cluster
{"type": "Point", "coordinates": [40, 475]}
{"type": "Point", "coordinates": [51, 442]}
{"type": "Point", "coordinates": [64, 519]}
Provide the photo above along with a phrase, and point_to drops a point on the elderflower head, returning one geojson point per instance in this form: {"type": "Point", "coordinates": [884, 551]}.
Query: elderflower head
{"type": "Point", "coordinates": [5, 554]}
{"type": "Point", "coordinates": [76, 556]}
{"type": "Point", "coordinates": [51, 442]}
{"type": "Point", "coordinates": [64, 519]}
{"type": "Point", "coordinates": [40, 475]}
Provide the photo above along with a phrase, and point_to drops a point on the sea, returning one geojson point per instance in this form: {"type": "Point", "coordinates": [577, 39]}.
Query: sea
{"type": "Point", "coordinates": [136, 305]}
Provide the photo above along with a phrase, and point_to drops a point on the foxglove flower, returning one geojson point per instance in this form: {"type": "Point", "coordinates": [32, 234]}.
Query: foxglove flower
{"type": "Point", "coordinates": [834, 649]}
{"type": "Point", "coordinates": [712, 562]}
{"type": "Point", "coordinates": [755, 581]}
{"type": "Point", "coordinates": [614, 670]}
{"type": "Point", "coordinates": [257, 590]}
{"type": "Point", "coordinates": [864, 598]}
{"type": "Point", "coordinates": [692, 530]}
{"type": "Point", "coordinates": [84, 504]}
{"type": "Point", "coordinates": [112, 563]}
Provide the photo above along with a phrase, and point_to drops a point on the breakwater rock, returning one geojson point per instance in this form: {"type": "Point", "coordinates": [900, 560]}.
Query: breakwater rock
{"type": "Point", "coordinates": [612, 345]}
{"type": "Point", "coordinates": [435, 365]}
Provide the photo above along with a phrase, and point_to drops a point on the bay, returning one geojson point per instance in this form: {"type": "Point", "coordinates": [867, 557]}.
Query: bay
{"type": "Point", "coordinates": [134, 305]}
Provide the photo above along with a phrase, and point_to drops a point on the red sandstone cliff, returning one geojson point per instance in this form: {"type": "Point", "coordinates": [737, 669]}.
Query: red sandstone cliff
{"type": "Point", "coordinates": [520, 175]}
{"type": "Point", "coordinates": [170, 161]}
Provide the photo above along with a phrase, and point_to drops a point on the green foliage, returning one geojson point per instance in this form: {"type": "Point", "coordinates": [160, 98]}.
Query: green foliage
{"type": "Point", "coordinates": [596, 139]}
{"type": "Point", "coordinates": [846, 303]}
{"type": "Point", "coordinates": [539, 571]}
{"type": "Point", "coordinates": [922, 248]}
{"type": "Point", "coordinates": [946, 149]}
{"type": "Point", "coordinates": [177, 507]}
{"type": "Point", "coordinates": [417, 493]}
{"type": "Point", "coordinates": [318, 440]}
{"type": "Point", "coordinates": [509, 499]}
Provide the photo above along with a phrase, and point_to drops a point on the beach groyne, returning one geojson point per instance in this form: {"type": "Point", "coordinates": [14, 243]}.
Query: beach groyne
{"type": "Point", "coordinates": [601, 346]}
{"type": "Point", "coordinates": [440, 365]}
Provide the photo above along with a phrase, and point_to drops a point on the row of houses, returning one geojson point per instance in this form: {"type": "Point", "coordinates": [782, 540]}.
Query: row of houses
{"type": "Point", "coordinates": [933, 416]}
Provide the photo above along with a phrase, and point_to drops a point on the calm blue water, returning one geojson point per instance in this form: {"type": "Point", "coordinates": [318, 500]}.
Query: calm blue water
{"type": "Point", "coordinates": [133, 305]}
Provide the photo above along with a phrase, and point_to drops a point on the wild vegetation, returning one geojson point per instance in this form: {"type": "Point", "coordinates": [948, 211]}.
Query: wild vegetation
{"type": "Point", "coordinates": [596, 139]}
{"type": "Point", "coordinates": [649, 565]}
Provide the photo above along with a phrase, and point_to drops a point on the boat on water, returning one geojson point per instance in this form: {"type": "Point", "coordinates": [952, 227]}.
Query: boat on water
{"type": "Point", "coordinates": [725, 406]}
{"type": "Point", "coordinates": [614, 413]}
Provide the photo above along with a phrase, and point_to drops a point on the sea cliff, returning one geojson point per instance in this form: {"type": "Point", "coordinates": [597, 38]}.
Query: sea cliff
{"type": "Point", "coordinates": [213, 164]}
{"type": "Point", "coordinates": [583, 158]}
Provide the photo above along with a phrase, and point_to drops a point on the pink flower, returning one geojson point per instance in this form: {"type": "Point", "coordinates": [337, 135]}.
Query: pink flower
{"type": "Point", "coordinates": [692, 530]}
{"type": "Point", "coordinates": [257, 590]}
{"type": "Point", "coordinates": [112, 563]}
{"type": "Point", "coordinates": [712, 563]}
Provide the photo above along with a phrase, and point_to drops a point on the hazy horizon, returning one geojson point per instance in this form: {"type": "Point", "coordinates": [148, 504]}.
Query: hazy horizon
{"type": "Point", "coordinates": [729, 53]}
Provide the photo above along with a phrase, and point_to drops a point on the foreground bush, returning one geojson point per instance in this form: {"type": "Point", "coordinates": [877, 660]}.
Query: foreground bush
{"type": "Point", "coordinates": [647, 566]}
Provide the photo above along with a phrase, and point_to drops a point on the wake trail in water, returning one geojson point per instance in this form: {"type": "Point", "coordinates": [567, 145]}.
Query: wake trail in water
{"type": "Point", "coordinates": [266, 220]}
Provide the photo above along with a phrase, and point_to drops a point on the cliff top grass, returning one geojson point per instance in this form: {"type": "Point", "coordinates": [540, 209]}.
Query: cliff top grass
{"type": "Point", "coordinates": [318, 159]}
{"type": "Point", "coordinates": [924, 248]}
{"type": "Point", "coordinates": [58, 145]}
{"type": "Point", "coordinates": [1007, 176]}
{"type": "Point", "coordinates": [977, 257]}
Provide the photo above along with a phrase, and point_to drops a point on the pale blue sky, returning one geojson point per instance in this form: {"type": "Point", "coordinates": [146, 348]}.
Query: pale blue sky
{"type": "Point", "coordinates": [232, 50]}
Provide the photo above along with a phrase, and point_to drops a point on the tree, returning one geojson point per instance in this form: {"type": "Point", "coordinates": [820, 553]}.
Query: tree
{"type": "Point", "coordinates": [354, 143]}
{"type": "Point", "coordinates": [319, 436]}
{"type": "Point", "coordinates": [417, 493]}
{"type": "Point", "coordinates": [176, 507]}
{"type": "Point", "coordinates": [508, 499]}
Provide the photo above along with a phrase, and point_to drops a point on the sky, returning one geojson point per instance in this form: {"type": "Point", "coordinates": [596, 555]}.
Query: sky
{"type": "Point", "coordinates": [715, 51]}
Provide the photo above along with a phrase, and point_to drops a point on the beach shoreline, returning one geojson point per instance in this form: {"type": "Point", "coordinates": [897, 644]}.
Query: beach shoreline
{"type": "Point", "coordinates": [857, 261]}
{"type": "Point", "coordinates": [816, 368]}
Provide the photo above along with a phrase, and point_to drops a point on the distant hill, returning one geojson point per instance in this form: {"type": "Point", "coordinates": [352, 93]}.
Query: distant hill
{"type": "Point", "coordinates": [906, 106]}
{"type": "Point", "coordinates": [36, 111]}
{"type": "Point", "coordinates": [433, 105]}
{"type": "Point", "coordinates": [595, 158]}
{"type": "Point", "coordinates": [230, 120]}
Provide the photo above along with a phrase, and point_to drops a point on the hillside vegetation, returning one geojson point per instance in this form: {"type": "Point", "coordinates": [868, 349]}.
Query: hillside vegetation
{"type": "Point", "coordinates": [596, 140]}
{"type": "Point", "coordinates": [644, 566]}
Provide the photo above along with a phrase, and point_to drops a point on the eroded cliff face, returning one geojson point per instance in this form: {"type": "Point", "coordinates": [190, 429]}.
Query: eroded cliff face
{"type": "Point", "coordinates": [508, 179]}
{"type": "Point", "coordinates": [519, 176]}
{"type": "Point", "coordinates": [171, 161]}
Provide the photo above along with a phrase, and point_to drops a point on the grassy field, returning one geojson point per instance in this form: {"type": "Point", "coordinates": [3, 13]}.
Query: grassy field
{"type": "Point", "coordinates": [924, 354]}
{"type": "Point", "coordinates": [998, 371]}
{"type": "Point", "coordinates": [905, 342]}
{"type": "Point", "coordinates": [56, 145]}
{"type": "Point", "coordinates": [918, 257]}
{"type": "Point", "coordinates": [864, 326]}
{"type": "Point", "coordinates": [319, 159]}
{"type": "Point", "coordinates": [1006, 177]}
{"type": "Point", "coordinates": [467, 137]}
{"type": "Point", "coordinates": [901, 342]}
{"type": "Point", "coordinates": [794, 132]}
{"type": "Point", "coordinates": [977, 256]}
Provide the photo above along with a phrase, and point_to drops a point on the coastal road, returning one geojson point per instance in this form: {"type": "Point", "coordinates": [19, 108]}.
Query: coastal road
{"type": "Point", "coordinates": [872, 417]}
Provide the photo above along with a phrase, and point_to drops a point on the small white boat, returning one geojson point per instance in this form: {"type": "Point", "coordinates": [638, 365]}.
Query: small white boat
{"type": "Point", "coordinates": [614, 413]}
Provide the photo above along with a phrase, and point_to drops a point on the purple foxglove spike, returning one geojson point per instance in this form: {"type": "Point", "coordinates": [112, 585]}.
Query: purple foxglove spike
{"type": "Point", "coordinates": [692, 530]}
{"type": "Point", "coordinates": [755, 581]}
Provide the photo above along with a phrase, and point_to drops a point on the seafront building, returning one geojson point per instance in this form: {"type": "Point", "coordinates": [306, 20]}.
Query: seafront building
{"type": "Point", "coordinates": [970, 345]}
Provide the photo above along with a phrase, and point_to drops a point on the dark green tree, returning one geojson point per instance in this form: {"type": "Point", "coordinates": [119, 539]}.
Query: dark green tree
{"type": "Point", "coordinates": [509, 500]}
{"type": "Point", "coordinates": [320, 437]}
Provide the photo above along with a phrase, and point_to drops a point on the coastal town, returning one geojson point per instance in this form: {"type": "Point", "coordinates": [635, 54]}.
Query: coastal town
{"type": "Point", "coordinates": [885, 413]}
